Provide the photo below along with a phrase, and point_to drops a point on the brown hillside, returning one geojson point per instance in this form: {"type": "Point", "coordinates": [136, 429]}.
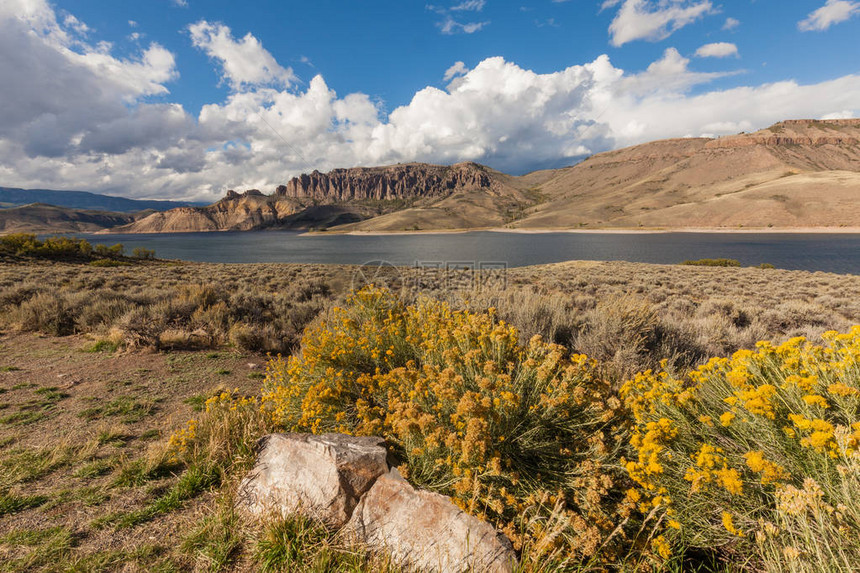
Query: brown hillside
{"type": "Point", "coordinates": [41, 218]}
{"type": "Point", "coordinates": [795, 173]}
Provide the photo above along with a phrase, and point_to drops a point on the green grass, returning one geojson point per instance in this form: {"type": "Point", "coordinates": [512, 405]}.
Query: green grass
{"type": "Point", "coordinates": [9, 369]}
{"type": "Point", "coordinates": [152, 434]}
{"type": "Point", "coordinates": [94, 469]}
{"type": "Point", "coordinates": [23, 418]}
{"type": "Point", "coordinates": [104, 345]}
{"type": "Point", "coordinates": [217, 540]}
{"type": "Point", "coordinates": [127, 408]}
{"type": "Point", "coordinates": [151, 558]}
{"type": "Point", "coordinates": [23, 386]}
{"type": "Point", "coordinates": [48, 549]}
{"type": "Point", "coordinates": [10, 503]}
{"type": "Point", "coordinates": [299, 544]}
{"type": "Point", "coordinates": [193, 482]}
{"type": "Point", "coordinates": [113, 436]}
{"type": "Point", "coordinates": [139, 472]}
{"type": "Point", "coordinates": [36, 409]}
{"type": "Point", "coordinates": [197, 402]}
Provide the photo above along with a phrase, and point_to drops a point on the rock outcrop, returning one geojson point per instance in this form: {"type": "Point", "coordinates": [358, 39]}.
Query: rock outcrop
{"type": "Point", "coordinates": [322, 477]}
{"type": "Point", "coordinates": [346, 482]}
{"type": "Point", "coordinates": [386, 183]}
{"type": "Point", "coordinates": [425, 531]}
{"type": "Point", "coordinates": [796, 132]}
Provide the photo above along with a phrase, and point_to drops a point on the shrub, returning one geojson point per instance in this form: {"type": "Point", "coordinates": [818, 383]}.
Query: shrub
{"type": "Point", "coordinates": [112, 252]}
{"type": "Point", "coordinates": [141, 253]}
{"type": "Point", "coordinates": [713, 263]}
{"type": "Point", "coordinates": [18, 243]}
{"type": "Point", "coordinates": [758, 454]}
{"type": "Point", "coordinates": [25, 244]}
{"type": "Point", "coordinates": [223, 436]}
{"type": "Point", "coordinates": [109, 263]}
{"type": "Point", "coordinates": [518, 435]}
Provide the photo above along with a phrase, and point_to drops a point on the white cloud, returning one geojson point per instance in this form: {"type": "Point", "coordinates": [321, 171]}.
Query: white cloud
{"type": "Point", "coordinates": [82, 118]}
{"type": "Point", "coordinates": [833, 12]}
{"type": "Point", "coordinates": [844, 114]}
{"type": "Point", "coordinates": [652, 20]}
{"type": "Point", "coordinates": [244, 62]}
{"type": "Point", "coordinates": [450, 26]}
{"type": "Point", "coordinates": [717, 50]}
{"type": "Point", "coordinates": [470, 5]}
{"type": "Point", "coordinates": [458, 69]}
{"type": "Point", "coordinates": [731, 24]}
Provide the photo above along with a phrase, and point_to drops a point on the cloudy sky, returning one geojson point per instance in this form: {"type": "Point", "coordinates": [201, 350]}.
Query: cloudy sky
{"type": "Point", "coordinates": [189, 98]}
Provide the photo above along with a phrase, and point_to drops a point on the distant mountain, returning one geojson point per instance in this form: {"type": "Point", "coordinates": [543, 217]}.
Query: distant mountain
{"type": "Point", "coordinates": [13, 197]}
{"type": "Point", "coordinates": [41, 218]}
{"type": "Point", "coordinates": [796, 173]}
{"type": "Point", "coordinates": [396, 197]}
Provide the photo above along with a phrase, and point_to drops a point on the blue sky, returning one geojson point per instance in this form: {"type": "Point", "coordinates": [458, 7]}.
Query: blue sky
{"type": "Point", "coordinates": [168, 98]}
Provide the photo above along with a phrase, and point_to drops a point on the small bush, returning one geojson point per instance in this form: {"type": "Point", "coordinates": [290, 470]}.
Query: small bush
{"type": "Point", "coordinates": [103, 263]}
{"type": "Point", "coordinates": [713, 263]}
{"type": "Point", "coordinates": [141, 253]}
{"type": "Point", "coordinates": [112, 252]}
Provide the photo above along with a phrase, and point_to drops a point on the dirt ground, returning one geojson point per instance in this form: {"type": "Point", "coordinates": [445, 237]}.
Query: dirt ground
{"type": "Point", "coordinates": [69, 419]}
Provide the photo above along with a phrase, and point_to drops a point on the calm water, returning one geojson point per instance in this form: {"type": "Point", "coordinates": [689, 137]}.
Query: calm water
{"type": "Point", "coordinates": [814, 252]}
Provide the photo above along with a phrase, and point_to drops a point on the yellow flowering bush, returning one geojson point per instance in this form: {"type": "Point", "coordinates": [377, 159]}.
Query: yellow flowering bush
{"type": "Point", "coordinates": [520, 435]}
{"type": "Point", "coordinates": [758, 453]}
{"type": "Point", "coordinates": [223, 435]}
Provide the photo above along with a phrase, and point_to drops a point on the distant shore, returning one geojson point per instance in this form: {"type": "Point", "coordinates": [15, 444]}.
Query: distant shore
{"type": "Point", "coordinates": [608, 231]}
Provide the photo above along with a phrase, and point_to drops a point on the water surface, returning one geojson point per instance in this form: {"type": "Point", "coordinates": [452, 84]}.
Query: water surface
{"type": "Point", "coordinates": [804, 251]}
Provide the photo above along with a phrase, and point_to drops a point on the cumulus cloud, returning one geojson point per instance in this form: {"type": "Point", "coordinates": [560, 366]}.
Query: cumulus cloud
{"type": "Point", "coordinates": [84, 118]}
{"type": "Point", "coordinates": [833, 12]}
{"type": "Point", "coordinates": [652, 20]}
{"type": "Point", "coordinates": [717, 50]}
{"type": "Point", "coordinates": [244, 62]}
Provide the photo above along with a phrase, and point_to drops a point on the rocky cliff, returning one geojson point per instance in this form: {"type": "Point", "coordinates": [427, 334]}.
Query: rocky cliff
{"type": "Point", "coordinates": [796, 132]}
{"type": "Point", "coordinates": [347, 196]}
{"type": "Point", "coordinates": [403, 181]}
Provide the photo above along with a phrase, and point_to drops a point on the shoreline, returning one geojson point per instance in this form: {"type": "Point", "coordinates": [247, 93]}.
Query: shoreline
{"type": "Point", "coordinates": [607, 231]}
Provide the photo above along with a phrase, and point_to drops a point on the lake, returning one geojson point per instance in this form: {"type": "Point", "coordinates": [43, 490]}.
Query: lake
{"type": "Point", "coordinates": [838, 253]}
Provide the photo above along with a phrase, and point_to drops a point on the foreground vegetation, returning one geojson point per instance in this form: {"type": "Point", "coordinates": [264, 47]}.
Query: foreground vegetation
{"type": "Point", "coordinates": [528, 432]}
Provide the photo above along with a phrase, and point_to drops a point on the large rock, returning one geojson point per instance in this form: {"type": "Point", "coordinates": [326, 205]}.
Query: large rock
{"type": "Point", "coordinates": [321, 477]}
{"type": "Point", "coordinates": [425, 531]}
